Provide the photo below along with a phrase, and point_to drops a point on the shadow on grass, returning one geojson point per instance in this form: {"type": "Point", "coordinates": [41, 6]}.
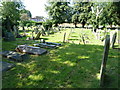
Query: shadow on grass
{"type": "Point", "coordinates": [73, 39]}
{"type": "Point", "coordinates": [45, 38]}
{"type": "Point", "coordinates": [70, 66]}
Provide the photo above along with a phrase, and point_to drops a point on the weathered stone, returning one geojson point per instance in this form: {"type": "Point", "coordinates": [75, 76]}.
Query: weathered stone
{"type": "Point", "coordinates": [44, 45]}
{"type": "Point", "coordinates": [4, 66]}
{"type": "Point", "coordinates": [104, 60]}
{"type": "Point", "coordinates": [30, 49]}
{"type": "Point", "coordinates": [57, 44]}
{"type": "Point", "coordinates": [113, 40]}
{"type": "Point", "coordinates": [14, 56]}
{"type": "Point", "coordinates": [64, 37]}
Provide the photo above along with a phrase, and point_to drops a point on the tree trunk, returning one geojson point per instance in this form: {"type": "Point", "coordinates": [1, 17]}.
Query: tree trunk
{"type": "Point", "coordinates": [24, 30]}
{"type": "Point", "coordinates": [75, 25]}
{"type": "Point", "coordinates": [110, 25]}
{"type": "Point", "coordinates": [83, 24]}
{"type": "Point", "coordinates": [8, 25]}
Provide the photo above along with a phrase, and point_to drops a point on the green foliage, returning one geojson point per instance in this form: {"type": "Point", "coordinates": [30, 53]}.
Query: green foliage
{"type": "Point", "coordinates": [27, 12]}
{"type": "Point", "coordinates": [75, 19]}
{"type": "Point", "coordinates": [59, 12]}
{"type": "Point", "coordinates": [47, 24]}
{"type": "Point", "coordinates": [82, 11]}
{"type": "Point", "coordinates": [10, 12]}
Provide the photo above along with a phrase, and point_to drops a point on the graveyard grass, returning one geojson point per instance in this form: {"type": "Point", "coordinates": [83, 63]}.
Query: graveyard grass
{"type": "Point", "coordinates": [72, 65]}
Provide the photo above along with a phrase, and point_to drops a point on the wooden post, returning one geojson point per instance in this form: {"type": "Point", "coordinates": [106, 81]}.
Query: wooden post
{"type": "Point", "coordinates": [104, 60]}
{"type": "Point", "coordinates": [64, 37]}
{"type": "Point", "coordinates": [113, 40]}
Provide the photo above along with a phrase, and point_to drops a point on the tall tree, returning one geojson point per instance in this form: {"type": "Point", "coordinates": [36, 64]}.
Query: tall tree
{"type": "Point", "coordinates": [82, 9]}
{"type": "Point", "coordinates": [97, 10]}
{"type": "Point", "coordinates": [10, 14]}
{"type": "Point", "coordinates": [58, 11]}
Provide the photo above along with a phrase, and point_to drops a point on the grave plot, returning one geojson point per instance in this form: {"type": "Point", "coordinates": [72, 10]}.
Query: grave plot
{"type": "Point", "coordinates": [44, 45]}
{"type": "Point", "coordinates": [30, 49]}
{"type": "Point", "coordinates": [57, 44]}
{"type": "Point", "coordinates": [14, 56]}
{"type": "Point", "coordinates": [48, 45]}
{"type": "Point", "coordinates": [6, 66]}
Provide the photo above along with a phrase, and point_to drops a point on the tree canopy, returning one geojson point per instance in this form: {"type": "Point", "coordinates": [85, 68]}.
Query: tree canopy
{"type": "Point", "coordinates": [10, 14]}
{"type": "Point", "coordinates": [58, 11]}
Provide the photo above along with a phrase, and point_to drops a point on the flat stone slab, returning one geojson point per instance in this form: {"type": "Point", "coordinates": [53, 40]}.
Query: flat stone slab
{"type": "Point", "coordinates": [4, 66]}
{"type": "Point", "coordinates": [44, 45]}
{"type": "Point", "coordinates": [57, 44]}
{"type": "Point", "coordinates": [14, 56]}
{"type": "Point", "coordinates": [30, 49]}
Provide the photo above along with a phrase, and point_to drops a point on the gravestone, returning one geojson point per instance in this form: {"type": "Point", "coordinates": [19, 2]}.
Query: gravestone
{"type": "Point", "coordinates": [113, 40]}
{"type": "Point", "coordinates": [104, 60]}
{"type": "Point", "coordinates": [64, 37]}
{"type": "Point", "coordinates": [69, 34]}
{"type": "Point", "coordinates": [4, 66]}
{"type": "Point", "coordinates": [9, 36]}
{"type": "Point", "coordinates": [44, 45]}
{"type": "Point", "coordinates": [57, 44]}
{"type": "Point", "coordinates": [14, 56]}
{"type": "Point", "coordinates": [30, 49]}
{"type": "Point", "coordinates": [38, 35]}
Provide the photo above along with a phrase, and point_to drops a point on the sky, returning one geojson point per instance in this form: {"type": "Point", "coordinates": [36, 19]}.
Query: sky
{"type": "Point", "coordinates": [36, 7]}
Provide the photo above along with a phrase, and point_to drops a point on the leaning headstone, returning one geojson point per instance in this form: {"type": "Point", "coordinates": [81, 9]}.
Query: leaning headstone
{"type": "Point", "coordinates": [104, 60]}
{"type": "Point", "coordinates": [5, 66]}
{"type": "Point", "coordinates": [113, 40]}
{"type": "Point", "coordinates": [38, 35]}
{"type": "Point", "coordinates": [9, 36]}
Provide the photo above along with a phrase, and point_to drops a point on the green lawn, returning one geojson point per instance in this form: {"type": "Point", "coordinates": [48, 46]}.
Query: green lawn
{"type": "Point", "coordinates": [72, 65]}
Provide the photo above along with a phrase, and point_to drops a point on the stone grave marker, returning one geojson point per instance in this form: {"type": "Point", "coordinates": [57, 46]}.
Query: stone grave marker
{"type": "Point", "coordinates": [113, 40]}
{"type": "Point", "coordinates": [64, 37]}
{"type": "Point", "coordinates": [44, 45]}
{"type": "Point", "coordinates": [30, 49]}
{"type": "Point", "coordinates": [104, 60]}
{"type": "Point", "coordinates": [69, 34]}
{"type": "Point", "coordinates": [52, 43]}
{"type": "Point", "coordinates": [5, 66]}
{"type": "Point", "coordinates": [14, 56]}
